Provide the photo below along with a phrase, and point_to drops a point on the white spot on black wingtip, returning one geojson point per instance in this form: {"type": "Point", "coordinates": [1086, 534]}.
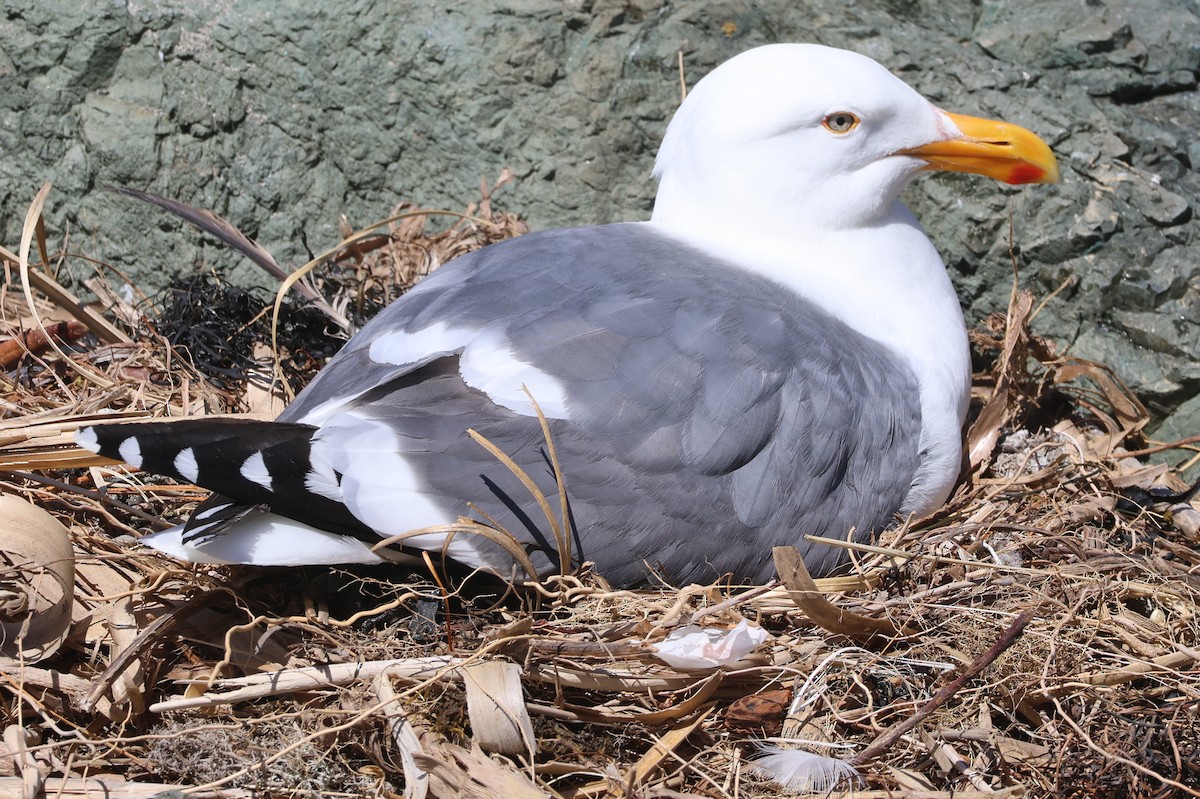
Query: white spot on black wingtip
{"type": "Point", "coordinates": [254, 469]}
{"type": "Point", "coordinates": [185, 464]}
{"type": "Point", "coordinates": [204, 514]}
{"type": "Point", "coordinates": [131, 452]}
{"type": "Point", "coordinates": [86, 438]}
{"type": "Point", "coordinates": [200, 532]}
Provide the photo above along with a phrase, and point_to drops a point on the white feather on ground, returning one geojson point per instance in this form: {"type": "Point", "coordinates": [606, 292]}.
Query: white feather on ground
{"type": "Point", "coordinates": [804, 772]}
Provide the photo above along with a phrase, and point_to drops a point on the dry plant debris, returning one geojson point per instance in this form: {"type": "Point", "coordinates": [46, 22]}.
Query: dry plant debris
{"type": "Point", "coordinates": [1038, 636]}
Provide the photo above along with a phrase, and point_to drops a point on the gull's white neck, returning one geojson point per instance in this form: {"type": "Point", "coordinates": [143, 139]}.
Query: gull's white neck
{"type": "Point", "coordinates": [885, 281]}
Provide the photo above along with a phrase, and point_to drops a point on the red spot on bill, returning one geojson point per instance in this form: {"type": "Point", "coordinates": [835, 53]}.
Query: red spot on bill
{"type": "Point", "coordinates": [1025, 173]}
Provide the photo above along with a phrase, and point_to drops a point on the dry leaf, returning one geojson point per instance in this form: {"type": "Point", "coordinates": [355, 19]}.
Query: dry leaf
{"type": "Point", "coordinates": [37, 582]}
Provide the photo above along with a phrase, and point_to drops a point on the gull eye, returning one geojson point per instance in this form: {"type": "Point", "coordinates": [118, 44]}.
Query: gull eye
{"type": "Point", "coordinates": [840, 122]}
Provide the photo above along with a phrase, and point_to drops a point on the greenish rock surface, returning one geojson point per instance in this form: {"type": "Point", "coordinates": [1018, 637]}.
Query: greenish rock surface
{"type": "Point", "coordinates": [283, 116]}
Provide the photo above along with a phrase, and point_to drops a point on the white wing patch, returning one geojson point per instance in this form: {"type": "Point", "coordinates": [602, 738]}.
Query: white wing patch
{"type": "Point", "coordinates": [401, 348]}
{"type": "Point", "coordinates": [378, 485]}
{"type": "Point", "coordinates": [487, 364]}
{"type": "Point", "coordinates": [321, 479]}
{"type": "Point", "coordinates": [419, 346]}
{"type": "Point", "coordinates": [185, 464]}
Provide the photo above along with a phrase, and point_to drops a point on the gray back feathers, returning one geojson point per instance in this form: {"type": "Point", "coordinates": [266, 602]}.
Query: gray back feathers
{"type": "Point", "coordinates": [712, 414]}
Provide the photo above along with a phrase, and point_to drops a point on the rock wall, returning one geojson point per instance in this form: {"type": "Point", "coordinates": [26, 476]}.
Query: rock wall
{"type": "Point", "coordinates": [284, 115]}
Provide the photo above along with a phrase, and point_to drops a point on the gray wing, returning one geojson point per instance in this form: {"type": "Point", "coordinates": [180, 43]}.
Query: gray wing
{"type": "Point", "coordinates": [707, 413]}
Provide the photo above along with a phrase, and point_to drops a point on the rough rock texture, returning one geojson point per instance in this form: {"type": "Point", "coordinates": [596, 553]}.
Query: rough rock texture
{"type": "Point", "coordinates": [283, 115]}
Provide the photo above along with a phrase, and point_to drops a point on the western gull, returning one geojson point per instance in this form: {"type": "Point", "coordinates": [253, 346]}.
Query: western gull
{"type": "Point", "coordinates": [777, 352]}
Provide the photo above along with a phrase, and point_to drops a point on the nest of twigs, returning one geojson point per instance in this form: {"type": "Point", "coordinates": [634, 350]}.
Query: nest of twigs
{"type": "Point", "coordinates": [1038, 636]}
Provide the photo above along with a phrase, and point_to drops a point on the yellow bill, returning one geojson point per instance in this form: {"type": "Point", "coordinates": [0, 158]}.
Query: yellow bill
{"type": "Point", "coordinates": [999, 150]}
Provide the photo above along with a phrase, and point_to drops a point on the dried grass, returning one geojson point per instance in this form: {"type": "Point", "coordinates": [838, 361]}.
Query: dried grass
{"type": "Point", "coordinates": [336, 683]}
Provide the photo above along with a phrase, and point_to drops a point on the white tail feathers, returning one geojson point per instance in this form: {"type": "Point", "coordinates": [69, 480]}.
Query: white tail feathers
{"type": "Point", "coordinates": [804, 772]}
{"type": "Point", "coordinates": [266, 539]}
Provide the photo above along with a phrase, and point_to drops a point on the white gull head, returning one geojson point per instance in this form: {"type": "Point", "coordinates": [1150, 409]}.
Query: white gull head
{"type": "Point", "coordinates": [794, 135]}
{"type": "Point", "coordinates": [789, 160]}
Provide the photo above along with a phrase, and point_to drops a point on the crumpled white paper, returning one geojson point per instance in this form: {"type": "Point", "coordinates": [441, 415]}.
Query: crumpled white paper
{"type": "Point", "coordinates": [695, 647]}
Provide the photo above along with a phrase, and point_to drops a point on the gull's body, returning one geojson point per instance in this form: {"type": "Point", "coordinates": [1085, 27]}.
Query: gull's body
{"type": "Point", "coordinates": [777, 352]}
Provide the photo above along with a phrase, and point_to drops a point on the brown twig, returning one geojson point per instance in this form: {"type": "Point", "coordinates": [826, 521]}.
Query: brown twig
{"type": "Point", "coordinates": [35, 341]}
{"type": "Point", "coordinates": [804, 592]}
{"type": "Point", "coordinates": [885, 741]}
{"type": "Point", "coordinates": [1141, 453]}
